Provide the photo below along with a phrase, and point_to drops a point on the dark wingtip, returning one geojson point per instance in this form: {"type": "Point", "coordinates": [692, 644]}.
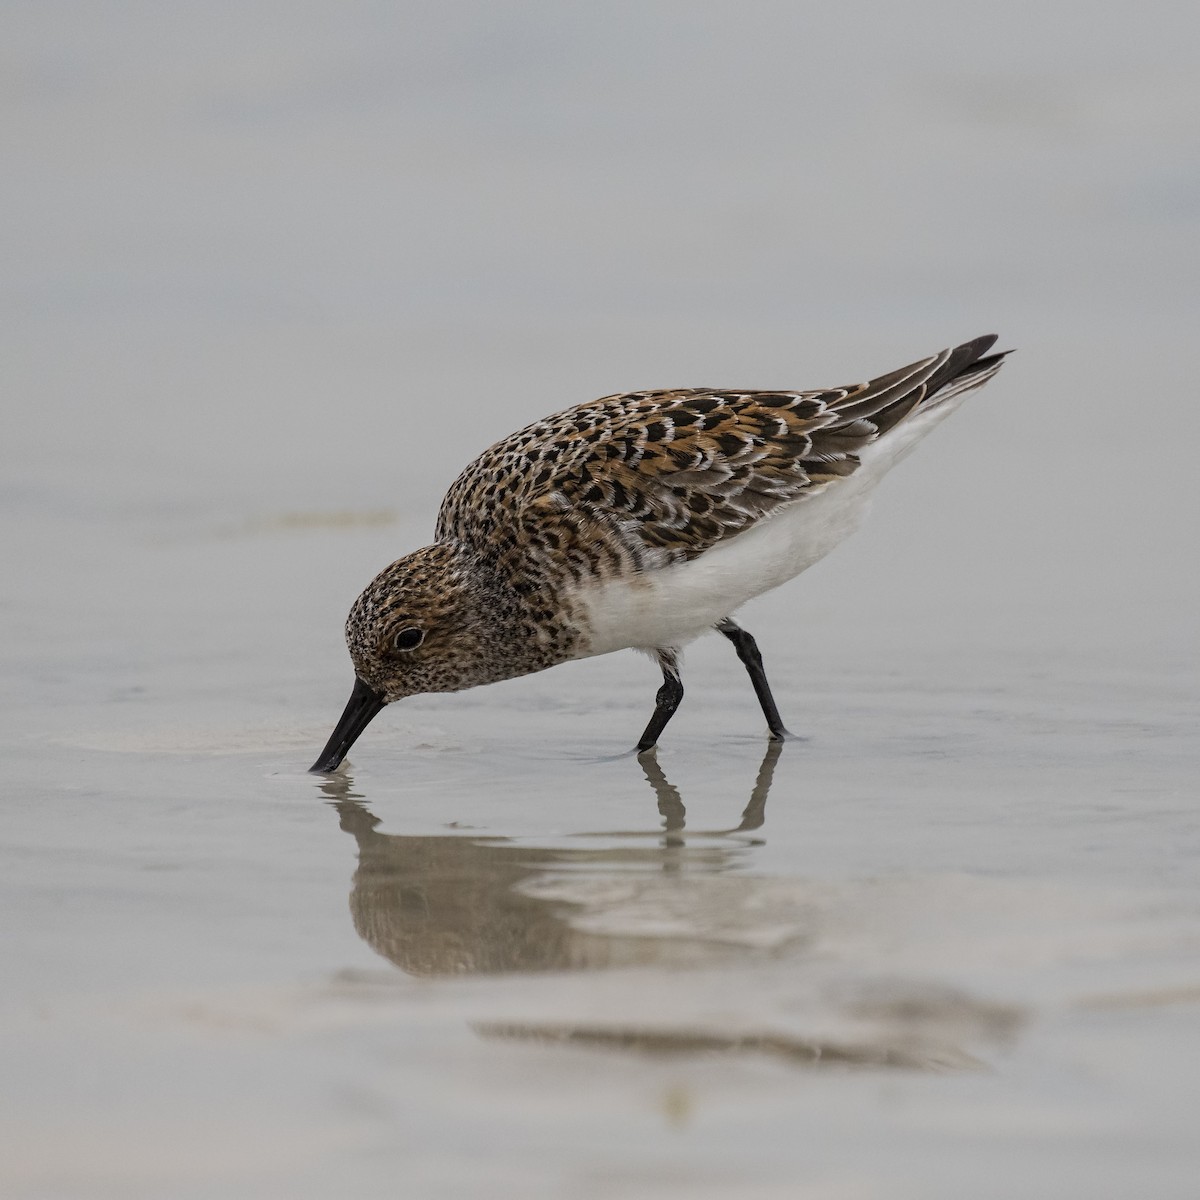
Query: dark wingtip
{"type": "Point", "coordinates": [977, 347]}
{"type": "Point", "coordinates": [981, 360]}
{"type": "Point", "coordinates": [971, 358]}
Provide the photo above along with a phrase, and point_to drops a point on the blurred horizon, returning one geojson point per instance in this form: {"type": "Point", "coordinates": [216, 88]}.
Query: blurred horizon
{"type": "Point", "coordinates": [263, 260]}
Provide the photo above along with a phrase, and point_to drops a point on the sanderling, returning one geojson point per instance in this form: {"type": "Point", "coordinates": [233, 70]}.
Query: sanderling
{"type": "Point", "coordinates": [638, 521]}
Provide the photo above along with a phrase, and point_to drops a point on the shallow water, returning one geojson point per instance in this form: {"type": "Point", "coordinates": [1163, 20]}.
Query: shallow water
{"type": "Point", "coordinates": [952, 937]}
{"type": "Point", "coordinates": [945, 943]}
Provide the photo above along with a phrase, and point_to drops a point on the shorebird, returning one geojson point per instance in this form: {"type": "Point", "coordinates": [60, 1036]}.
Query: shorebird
{"type": "Point", "coordinates": [642, 521]}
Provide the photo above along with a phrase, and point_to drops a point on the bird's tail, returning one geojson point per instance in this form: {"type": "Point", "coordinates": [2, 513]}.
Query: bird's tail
{"type": "Point", "coordinates": [906, 395]}
{"type": "Point", "coordinates": [967, 366]}
{"type": "Point", "coordinates": [906, 404]}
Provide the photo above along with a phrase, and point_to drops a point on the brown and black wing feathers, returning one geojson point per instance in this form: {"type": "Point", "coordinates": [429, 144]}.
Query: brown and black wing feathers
{"type": "Point", "coordinates": [654, 477]}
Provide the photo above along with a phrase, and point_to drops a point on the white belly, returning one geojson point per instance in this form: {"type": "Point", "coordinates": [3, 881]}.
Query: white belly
{"type": "Point", "coordinates": [677, 604]}
{"type": "Point", "coordinates": [673, 606]}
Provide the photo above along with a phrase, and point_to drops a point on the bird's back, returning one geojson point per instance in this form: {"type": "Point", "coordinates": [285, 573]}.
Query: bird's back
{"type": "Point", "coordinates": [644, 479]}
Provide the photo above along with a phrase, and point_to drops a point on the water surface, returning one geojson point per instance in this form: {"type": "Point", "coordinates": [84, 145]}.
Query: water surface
{"type": "Point", "coordinates": [274, 278]}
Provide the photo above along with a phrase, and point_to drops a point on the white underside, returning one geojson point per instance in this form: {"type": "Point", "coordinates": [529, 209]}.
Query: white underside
{"type": "Point", "coordinates": [671, 607]}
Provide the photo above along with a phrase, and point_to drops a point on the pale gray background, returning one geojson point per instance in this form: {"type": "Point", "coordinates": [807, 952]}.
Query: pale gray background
{"type": "Point", "coordinates": [265, 258]}
{"type": "Point", "coordinates": [273, 273]}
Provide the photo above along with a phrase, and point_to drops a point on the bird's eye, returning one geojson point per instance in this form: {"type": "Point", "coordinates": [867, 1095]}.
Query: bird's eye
{"type": "Point", "coordinates": [408, 639]}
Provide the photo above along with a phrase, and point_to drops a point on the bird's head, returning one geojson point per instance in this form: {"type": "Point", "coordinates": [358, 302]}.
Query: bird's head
{"type": "Point", "coordinates": [424, 624]}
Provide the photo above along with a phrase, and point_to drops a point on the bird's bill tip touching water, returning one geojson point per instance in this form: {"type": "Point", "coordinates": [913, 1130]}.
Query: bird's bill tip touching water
{"type": "Point", "coordinates": [363, 706]}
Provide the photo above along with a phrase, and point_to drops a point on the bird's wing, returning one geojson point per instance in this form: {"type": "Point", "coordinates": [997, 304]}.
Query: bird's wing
{"type": "Point", "coordinates": [660, 476]}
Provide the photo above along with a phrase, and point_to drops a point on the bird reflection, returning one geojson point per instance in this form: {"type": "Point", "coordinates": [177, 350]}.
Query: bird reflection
{"type": "Point", "coordinates": [670, 803]}
{"type": "Point", "coordinates": [457, 904]}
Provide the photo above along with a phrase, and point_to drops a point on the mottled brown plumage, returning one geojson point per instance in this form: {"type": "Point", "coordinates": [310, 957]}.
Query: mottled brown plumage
{"type": "Point", "coordinates": [643, 479]}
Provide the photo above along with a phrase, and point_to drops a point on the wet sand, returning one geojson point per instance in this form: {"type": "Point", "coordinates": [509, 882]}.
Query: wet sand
{"type": "Point", "coordinates": [950, 937]}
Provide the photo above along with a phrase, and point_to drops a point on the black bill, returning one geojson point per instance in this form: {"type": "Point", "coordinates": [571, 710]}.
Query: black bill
{"type": "Point", "coordinates": [365, 702]}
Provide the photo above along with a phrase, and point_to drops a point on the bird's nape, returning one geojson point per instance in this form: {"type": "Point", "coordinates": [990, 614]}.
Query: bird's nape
{"type": "Point", "coordinates": [364, 705]}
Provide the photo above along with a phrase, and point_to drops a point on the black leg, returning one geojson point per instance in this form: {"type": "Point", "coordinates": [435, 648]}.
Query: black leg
{"type": "Point", "coordinates": [666, 702]}
{"type": "Point", "coordinates": [747, 651]}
